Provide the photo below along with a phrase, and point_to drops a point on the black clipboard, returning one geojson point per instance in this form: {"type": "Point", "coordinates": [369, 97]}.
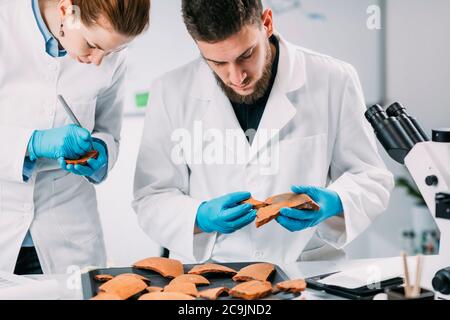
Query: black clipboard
{"type": "Point", "coordinates": [363, 293]}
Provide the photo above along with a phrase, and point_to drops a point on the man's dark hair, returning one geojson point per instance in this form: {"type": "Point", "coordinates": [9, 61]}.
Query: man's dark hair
{"type": "Point", "coordinates": [216, 20]}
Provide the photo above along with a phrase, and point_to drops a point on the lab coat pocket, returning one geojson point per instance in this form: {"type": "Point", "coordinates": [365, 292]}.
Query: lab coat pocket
{"type": "Point", "coordinates": [303, 160]}
{"type": "Point", "coordinates": [74, 207]}
{"type": "Point", "coordinates": [322, 253]}
{"type": "Point", "coordinates": [85, 112]}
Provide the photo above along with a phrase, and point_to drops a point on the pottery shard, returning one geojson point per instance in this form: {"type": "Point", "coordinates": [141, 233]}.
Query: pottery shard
{"type": "Point", "coordinates": [293, 200]}
{"type": "Point", "coordinates": [191, 278]}
{"type": "Point", "coordinates": [267, 214]}
{"type": "Point", "coordinates": [252, 290]}
{"type": "Point", "coordinates": [168, 268]}
{"type": "Point", "coordinates": [138, 276]}
{"type": "Point", "coordinates": [84, 159]}
{"type": "Point", "coordinates": [107, 277]}
{"type": "Point", "coordinates": [213, 294]}
{"type": "Point", "coordinates": [255, 203]}
{"type": "Point", "coordinates": [293, 286]}
{"type": "Point", "coordinates": [258, 271]}
{"type": "Point", "coordinates": [182, 287]}
{"type": "Point", "coordinates": [106, 296]}
{"type": "Point", "coordinates": [166, 296]}
{"type": "Point", "coordinates": [103, 277]}
{"type": "Point", "coordinates": [211, 268]}
{"type": "Point", "coordinates": [124, 286]}
{"type": "Point", "coordinates": [154, 289]}
{"type": "Point", "coordinates": [286, 200]}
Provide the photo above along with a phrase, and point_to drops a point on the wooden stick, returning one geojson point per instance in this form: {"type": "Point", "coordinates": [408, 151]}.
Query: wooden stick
{"type": "Point", "coordinates": [416, 291]}
{"type": "Point", "coordinates": [406, 272]}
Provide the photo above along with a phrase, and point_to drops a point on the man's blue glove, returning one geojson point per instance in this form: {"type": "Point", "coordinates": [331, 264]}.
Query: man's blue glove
{"type": "Point", "coordinates": [70, 142]}
{"type": "Point", "coordinates": [95, 168]}
{"type": "Point", "coordinates": [297, 220]}
{"type": "Point", "coordinates": [225, 214]}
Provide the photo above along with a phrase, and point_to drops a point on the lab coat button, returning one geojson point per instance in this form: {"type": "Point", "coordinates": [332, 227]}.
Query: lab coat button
{"type": "Point", "coordinates": [259, 254]}
{"type": "Point", "coordinates": [27, 207]}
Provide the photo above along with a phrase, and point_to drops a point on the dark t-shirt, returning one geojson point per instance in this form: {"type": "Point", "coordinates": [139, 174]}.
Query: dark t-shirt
{"type": "Point", "coordinates": [250, 115]}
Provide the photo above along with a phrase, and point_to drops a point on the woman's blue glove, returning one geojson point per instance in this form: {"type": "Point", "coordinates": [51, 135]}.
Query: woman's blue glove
{"type": "Point", "coordinates": [95, 169]}
{"type": "Point", "coordinates": [297, 220]}
{"type": "Point", "coordinates": [225, 214]}
{"type": "Point", "coordinates": [70, 142]}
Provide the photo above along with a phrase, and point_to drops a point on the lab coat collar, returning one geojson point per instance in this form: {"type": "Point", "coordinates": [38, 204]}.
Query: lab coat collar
{"type": "Point", "coordinates": [36, 38]}
{"type": "Point", "coordinates": [51, 43]}
{"type": "Point", "coordinates": [291, 69]}
{"type": "Point", "coordinates": [280, 109]}
{"type": "Point", "coordinates": [291, 74]}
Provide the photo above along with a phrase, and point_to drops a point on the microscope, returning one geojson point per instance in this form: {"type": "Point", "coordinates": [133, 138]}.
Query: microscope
{"type": "Point", "coordinates": [428, 162]}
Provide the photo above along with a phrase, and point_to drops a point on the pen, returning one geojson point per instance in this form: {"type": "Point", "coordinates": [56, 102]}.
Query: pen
{"type": "Point", "coordinates": [70, 113]}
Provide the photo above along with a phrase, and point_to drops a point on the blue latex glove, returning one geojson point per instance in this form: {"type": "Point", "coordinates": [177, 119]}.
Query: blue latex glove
{"type": "Point", "coordinates": [70, 142]}
{"type": "Point", "coordinates": [225, 214]}
{"type": "Point", "coordinates": [297, 220]}
{"type": "Point", "coordinates": [93, 167]}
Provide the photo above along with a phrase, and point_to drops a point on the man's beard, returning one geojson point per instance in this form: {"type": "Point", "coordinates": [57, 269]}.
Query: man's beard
{"type": "Point", "coordinates": [261, 86]}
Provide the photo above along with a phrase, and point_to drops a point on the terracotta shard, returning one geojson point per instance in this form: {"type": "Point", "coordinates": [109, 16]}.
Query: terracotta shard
{"type": "Point", "coordinates": [154, 289]}
{"type": "Point", "coordinates": [286, 200]}
{"type": "Point", "coordinates": [293, 286]}
{"type": "Point", "coordinates": [293, 200]}
{"type": "Point", "coordinates": [191, 278]}
{"type": "Point", "coordinates": [182, 287]}
{"type": "Point", "coordinates": [84, 159]}
{"type": "Point", "coordinates": [252, 290]}
{"type": "Point", "coordinates": [168, 268]}
{"type": "Point", "coordinates": [124, 286]}
{"type": "Point", "coordinates": [255, 203]}
{"type": "Point", "coordinates": [138, 276]}
{"type": "Point", "coordinates": [213, 294]}
{"type": "Point", "coordinates": [258, 271]}
{"type": "Point", "coordinates": [103, 277]}
{"type": "Point", "coordinates": [211, 268]}
{"type": "Point", "coordinates": [267, 214]}
{"type": "Point", "coordinates": [166, 296]}
{"type": "Point", "coordinates": [275, 290]}
{"type": "Point", "coordinates": [106, 296]}
{"type": "Point", "coordinates": [309, 206]}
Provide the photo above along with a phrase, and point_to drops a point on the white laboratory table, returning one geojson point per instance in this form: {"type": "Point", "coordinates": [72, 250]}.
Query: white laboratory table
{"type": "Point", "coordinates": [296, 270]}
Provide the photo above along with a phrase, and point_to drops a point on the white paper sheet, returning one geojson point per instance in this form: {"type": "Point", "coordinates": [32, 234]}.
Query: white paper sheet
{"type": "Point", "coordinates": [365, 274]}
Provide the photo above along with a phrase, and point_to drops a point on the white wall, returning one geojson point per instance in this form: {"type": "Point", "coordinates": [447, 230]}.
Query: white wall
{"type": "Point", "coordinates": [418, 76]}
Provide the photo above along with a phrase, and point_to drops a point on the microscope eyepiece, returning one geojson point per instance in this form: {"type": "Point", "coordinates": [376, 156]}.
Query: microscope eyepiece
{"type": "Point", "coordinates": [410, 124]}
{"type": "Point", "coordinates": [395, 110]}
{"type": "Point", "coordinates": [375, 113]}
{"type": "Point", "coordinates": [390, 133]}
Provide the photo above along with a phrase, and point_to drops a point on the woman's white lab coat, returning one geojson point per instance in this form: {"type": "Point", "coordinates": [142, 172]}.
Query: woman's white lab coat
{"type": "Point", "coordinates": [59, 208]}
{"type": "Point", "coordinates": [315, 111]}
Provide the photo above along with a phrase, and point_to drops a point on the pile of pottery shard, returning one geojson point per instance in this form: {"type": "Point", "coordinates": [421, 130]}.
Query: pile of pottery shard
{"type": "Point", "coordinates": [251, 282]}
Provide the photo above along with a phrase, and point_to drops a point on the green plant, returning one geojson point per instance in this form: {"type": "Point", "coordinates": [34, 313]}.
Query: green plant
{"type": "Point", "coordinates": [411, 189]}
